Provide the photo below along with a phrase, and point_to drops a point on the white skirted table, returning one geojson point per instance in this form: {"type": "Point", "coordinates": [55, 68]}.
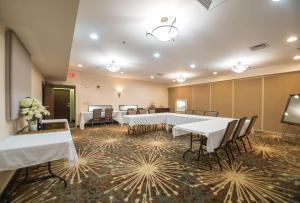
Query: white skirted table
{"type": "Point", "coordinates": [23, 151]}
{"type": "Point", "coordinates": [86, 116]}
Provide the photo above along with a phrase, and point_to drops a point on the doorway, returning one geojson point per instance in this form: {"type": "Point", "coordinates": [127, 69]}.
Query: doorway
{"type": "Point", "coordinates": [60, 101]}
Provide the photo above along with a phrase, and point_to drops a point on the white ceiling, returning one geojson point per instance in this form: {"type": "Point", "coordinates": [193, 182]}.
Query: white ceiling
{"type": "Point", "coordinates": [214, 40]}
{"type": "Point", "coordinates": [46, 28]}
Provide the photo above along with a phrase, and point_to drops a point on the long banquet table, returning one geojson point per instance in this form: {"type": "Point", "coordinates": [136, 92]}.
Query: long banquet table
{"type": "Point", "coordinates": [211, 127]}
{"type": "Point", "coordinates": [86, 116]}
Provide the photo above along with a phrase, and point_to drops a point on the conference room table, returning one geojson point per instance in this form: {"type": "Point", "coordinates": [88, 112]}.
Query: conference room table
{"type": "Point", "coordinates": [211, 127]}
{"type": "Point", "coordinates": [86, 116]}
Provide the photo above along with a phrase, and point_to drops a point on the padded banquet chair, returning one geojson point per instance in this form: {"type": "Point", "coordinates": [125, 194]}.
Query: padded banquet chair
{"type": "Point", "coordinates": [248, 132]}
{"type": "Point", "coordinates": [223, 145]}
{"type": "Point", "coordinates": [212, 113]}
{"type": "Point", "coordinates": [236, 134]}
{"type": "Point", "coordinates": [96, 116]}
{"type": "Point", "coordinates": [108, 116]}
{"type": "Point", "coordinates": [131, 111]}
{"type": "Point", "coordinates": [151, 111]}
{"type": "Point", "coordinates": [189, 112]}
{"type": "Point", "coordinates": [142, 111]}
{"type": "Point", "coordinates": [199, 112]}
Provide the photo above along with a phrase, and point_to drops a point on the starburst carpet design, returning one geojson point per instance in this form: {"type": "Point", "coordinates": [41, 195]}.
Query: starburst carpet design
{"type": "Point", "coordinates": [115, 167]}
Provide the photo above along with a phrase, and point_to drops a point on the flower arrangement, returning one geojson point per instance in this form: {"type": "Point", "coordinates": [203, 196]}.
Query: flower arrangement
{"type": "Point", "coordinates": [32, 109]}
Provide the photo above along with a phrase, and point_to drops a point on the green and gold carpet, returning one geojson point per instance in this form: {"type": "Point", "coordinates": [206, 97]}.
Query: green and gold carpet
{"type": "Point", "coordinates": [114, 167]}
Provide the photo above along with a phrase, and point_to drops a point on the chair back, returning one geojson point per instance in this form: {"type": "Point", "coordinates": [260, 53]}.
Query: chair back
{"type": "Point", "coordinates": [250, 126]}
{"type": "Point", "coordinates": [108, 113]}
{"type": "Point", "coordinates": [131, 111]}
{"type": "Point", "coordinates": [212, 113]}
{"type": "Point", "coordinates": [189, 112]}
{"type": "Point", "coordinates": [142, 111]}
{"type": "Point", "coordinates": [228, 133]}
{"type": "Point", "coordinates": [97, 113]}
{"type": "Point", "coordinates": [199, 112]}
{"type": "Point", "coordinates": [151, 111]}
{"type": "Point", "coordinates": [238, 128]}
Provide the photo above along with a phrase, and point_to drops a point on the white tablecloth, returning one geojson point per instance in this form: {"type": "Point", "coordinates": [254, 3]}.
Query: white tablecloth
{"type": "Point", "coordinates": [145, 119]}
{"type": "Point", "coordinates": [213, 129]}
{"type": "Point", "coordinates": [19, 151]}
{"type": "Point", "coordinates": [86, 116]}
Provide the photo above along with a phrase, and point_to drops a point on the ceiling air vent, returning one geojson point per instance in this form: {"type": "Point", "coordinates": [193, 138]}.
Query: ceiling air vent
{"type": "Point", "coordinates": [159, 74]}
{"type": "Point", "coordinates": [205, 3]}
{"type": "Point", "coordinates": [259, 46]}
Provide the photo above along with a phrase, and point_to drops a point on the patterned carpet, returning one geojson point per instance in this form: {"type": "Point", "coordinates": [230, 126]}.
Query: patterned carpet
{"type": "Point", "coordinates": [114, 167]}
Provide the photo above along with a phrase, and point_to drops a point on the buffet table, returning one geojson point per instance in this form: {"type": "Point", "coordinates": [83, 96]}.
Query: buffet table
{"type": "Point", "coordinates": [23, 151]}
{"type": "Point", "coordinates": [86, 116]}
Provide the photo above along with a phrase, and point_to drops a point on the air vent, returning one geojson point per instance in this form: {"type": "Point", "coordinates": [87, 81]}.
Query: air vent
{"type": "Point", "coordinates": [205, 3]}
{"type": "Point", "coordinates": [159, 74]}
{"type": "Point", "coordinates": [259, 46]}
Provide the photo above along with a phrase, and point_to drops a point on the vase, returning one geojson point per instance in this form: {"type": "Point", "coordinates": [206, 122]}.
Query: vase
{"type": "Point", "coordinates": [32, 125]}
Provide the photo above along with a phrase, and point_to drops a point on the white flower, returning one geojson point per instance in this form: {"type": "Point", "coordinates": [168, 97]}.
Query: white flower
{"type": "Point", "coordinates": [26, 103]}
{"type": "Point", "coordinates": [38, 115]}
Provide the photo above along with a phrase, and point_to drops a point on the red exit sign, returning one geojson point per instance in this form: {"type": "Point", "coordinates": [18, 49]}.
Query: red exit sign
{"type": "Point", "coordinates": [71, 75]}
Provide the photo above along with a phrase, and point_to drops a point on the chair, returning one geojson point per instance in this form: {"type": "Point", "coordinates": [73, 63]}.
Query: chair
{"type": "Point", "coordinates": [212, 113]}
{"type": "Point", "coordinates": [96, 116]}
{"type": "Point", "coordinates": [223, 144]}
{"type": "Point", "coordinates": [236, 134]}
{"type": "Point", "coordinates": [142, 111]}
{"type": "Point", "coordinates": [248, 132]}
{"type": "Point", "coordinates": [151, 111]}
{"type": "Point", "coordinates": [108, 116]}
{"type": "Point", "coordinates": [199, 112]}
{"type": "Point", "coordinates": [131, 111]}
{"type": "Point", "coordinates": [189, 112]}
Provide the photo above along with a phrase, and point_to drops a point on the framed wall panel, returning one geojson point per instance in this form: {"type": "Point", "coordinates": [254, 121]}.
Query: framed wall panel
{"type": "Point", "coordinates": [201, 97]}
{"type": "Point", "coordinates": [185, 92]}
{"type": "Point", "coordinates": [221, 98]}
{"type": "Point", "coordinates": [277, 90]}
{"type": "Point", "coordinates": [173, 95]}
{"type": "Point", "coordinates": [248, 99]}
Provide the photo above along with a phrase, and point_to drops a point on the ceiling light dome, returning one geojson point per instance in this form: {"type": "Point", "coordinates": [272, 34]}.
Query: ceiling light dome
{"type": "Point", "coordinates": [165, 31]}
{"type": "Point", "coordinates": [112, 67]}
{"type": "Point", "coordinates": [240, 67]}
{"type": "Point", "coordinates": [181, 79]}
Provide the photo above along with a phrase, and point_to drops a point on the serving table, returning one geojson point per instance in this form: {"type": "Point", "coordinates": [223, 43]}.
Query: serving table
{"type": "Point", "coordinates": [26, 150]}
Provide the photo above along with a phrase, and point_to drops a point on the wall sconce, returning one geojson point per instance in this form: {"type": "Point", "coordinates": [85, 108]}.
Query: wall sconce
{"type": "Point", "coordinates": [119, 93]}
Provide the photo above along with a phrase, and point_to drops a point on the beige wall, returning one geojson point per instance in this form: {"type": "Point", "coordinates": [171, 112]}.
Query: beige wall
{"type": "Point", "coordinates": [265, 96]}
{"type": "Point", "coordinates": [134, 92]}
{"type": "Point", "coordinates": [9, 127]}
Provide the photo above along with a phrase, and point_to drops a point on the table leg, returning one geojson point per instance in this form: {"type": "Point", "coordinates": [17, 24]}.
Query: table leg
{"type": "Point", "coordinates": [56, 176]}
{"type": "Point", "coordinates": [191, 146]}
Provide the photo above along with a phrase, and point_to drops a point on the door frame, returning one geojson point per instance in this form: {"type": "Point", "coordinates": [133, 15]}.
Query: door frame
{"type": "Point", "coordinates": [52, 86]}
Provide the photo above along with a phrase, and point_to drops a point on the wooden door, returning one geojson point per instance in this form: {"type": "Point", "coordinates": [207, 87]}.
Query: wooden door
{"type": "Point", "coordinates": [62, 104]}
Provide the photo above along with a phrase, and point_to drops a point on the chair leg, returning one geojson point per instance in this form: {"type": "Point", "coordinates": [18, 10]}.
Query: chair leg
{"type": "Point", "coordinates": [244, 144]}
{"type": "Point", "coordinates": [200, 149]}
{"type": "Point", "coordinates": [237, 146]}
{"type": "Point", "coordinates": [219, 161]}
{"type": "Point", "coordinates": [230, 151]}
{"type": "Point", "coordinates": [229, 160]}
{"type": "Point", "coordinates": [249, 142]}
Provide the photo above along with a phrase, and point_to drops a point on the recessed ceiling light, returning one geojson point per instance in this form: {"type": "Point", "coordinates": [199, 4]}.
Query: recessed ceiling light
{"type": "Point", "coordinates": [192, 66]}
{"type": "Point", "coordinates": [173, 80]}
{"type": "Point", "coordinates": [156, 55]}
{"type": "Point", "coordinates": [122, 72]}
{"type": "Point", "coordinates": [94, 36]}
{"type": "Point", "coordinates": [152, 77]}
{"type": "Point", "coordinates": [240, 67]}
{"type": "Point", "coordinates": [297, 57]}
{"type": "Point", "coordinates": [292, 39]}
{"type": "Point", "coordinates": [80, 65]}
{"type": "Point", "coordinates": [215, 73]}
{"type": "Point", "coordinates": [181, 79]}
{"type": "Point", "coordinates": [276, 0]}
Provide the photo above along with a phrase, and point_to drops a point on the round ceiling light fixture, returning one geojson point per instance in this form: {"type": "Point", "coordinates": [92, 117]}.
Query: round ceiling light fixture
{"type": "Point", "coordinates": [297, 57]}
{"type": "Point", "coordinates": [165, 31]}
{"type": "Point", "coordinates": [94, 36]}
{"type": "Point", "coordinates": [112, 67]}
{"type": "Point", "coordinates": [292, 39]}
{"type": "Point", "coordinates": [181, 79]}
{"type": "Point", "coordinates": [240, 67]}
